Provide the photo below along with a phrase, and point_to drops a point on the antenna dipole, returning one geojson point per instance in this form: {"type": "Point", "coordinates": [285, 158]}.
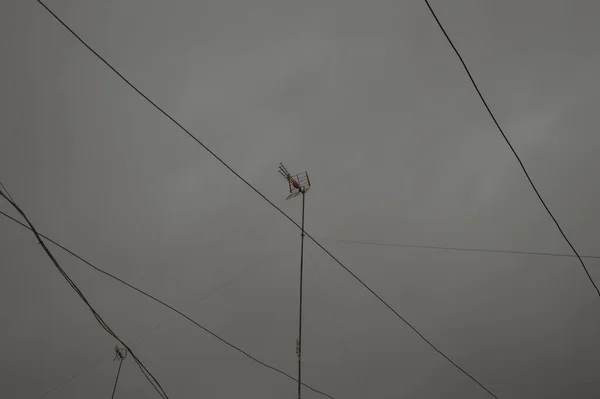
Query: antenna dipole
{"type": "Point", "coordinates": [298, 184]}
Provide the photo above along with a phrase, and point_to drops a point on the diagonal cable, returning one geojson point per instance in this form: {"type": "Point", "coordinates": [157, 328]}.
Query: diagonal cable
{"type": "Point", "coordinates": [489, 110]}
{"type": "Point", "coordinates": [172, 308]}
{"type": "Point", "coordinates": [98, 318]}
{"type": "Point", "coordinates": [186, 131]}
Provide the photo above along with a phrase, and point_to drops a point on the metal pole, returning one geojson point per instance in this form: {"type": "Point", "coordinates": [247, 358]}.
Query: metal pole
{"type": "Point", "coordinates": [299, 344]}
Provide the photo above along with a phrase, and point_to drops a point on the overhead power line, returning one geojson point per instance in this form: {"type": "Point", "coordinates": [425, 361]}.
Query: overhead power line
{"type": "Point", "coordinates": [186, 131]}
{"type": "Point", "coordinates": [6, 191]}
{"type": "Point", "coordinates": [499, 251]}
{"type": "Point", "coordinates": [149, 330]}
{"type": "Point", "coordinates": [343, 340]}
{"type": "Point", "coordinates": [202, 298]}
{"type": "Point", "coordinates": [171, 308]}
{"type": "Point", "coordinates": [489, 110]}
{"type": "Point", "coordinates": [98, 318]}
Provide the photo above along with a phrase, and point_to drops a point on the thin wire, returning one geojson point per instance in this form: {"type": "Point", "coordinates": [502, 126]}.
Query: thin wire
{"type": "Point", "coordinates": [152, 329]}
{"type": "Point", "coordinates": [344, 342]}
{"type": "Point", "coordinates": [72, 376]}
{"type": "Point", "coordinates": [149, 378]}
{"type": "Point", "coordinates": [155, 299]}
{"type": "Point", "coordinates": [231, 280]}
{"type": "Point", "coordinates": [149, 331]}
{"type": "Point", "coordinates": [6, 191]}
{"type": "Point", "coordinates": [387, 305]}
{"type": "Point", "coordinates": [202, 298]}
{"type": "Point", "coordinates": [117, 379]}
{"type": "Point", "coordinates": [125, 80]}
{"type": "Point", "coordinates": [100, 320]}
{"type": "Point", "coordinates": [489, 110]}
{"type": "Point", "coordinates": [379, 244]}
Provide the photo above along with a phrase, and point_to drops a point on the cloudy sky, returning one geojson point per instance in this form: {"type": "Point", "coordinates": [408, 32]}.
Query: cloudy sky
{"type": "Point", "coordinates": [370, 99]}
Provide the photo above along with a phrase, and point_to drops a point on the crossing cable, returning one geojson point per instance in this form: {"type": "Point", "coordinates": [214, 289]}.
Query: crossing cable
{"type": "Point", "coordinates": [342, 339]}
{"type": "Point", "coordinates": [172, 308]}
{"type": "Point", "coordinates": [98, 318]}
{"type": "Point", "coordinates": [158, 108]}
{"type": "Point", "coordinates": [149, 330]}
{"type": "Point", "coordinates": [489, 110]}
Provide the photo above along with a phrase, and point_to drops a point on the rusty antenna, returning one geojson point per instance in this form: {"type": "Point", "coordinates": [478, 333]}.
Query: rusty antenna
{"type": "Point", "coordinates": [298, 184]}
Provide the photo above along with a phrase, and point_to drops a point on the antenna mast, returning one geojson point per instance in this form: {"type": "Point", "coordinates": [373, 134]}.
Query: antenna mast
{"type": "Point", "coordinates": [298, 184]}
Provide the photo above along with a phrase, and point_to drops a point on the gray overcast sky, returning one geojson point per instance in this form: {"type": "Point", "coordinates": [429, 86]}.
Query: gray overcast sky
{"type": "Point", "coordinates": [368, 97]}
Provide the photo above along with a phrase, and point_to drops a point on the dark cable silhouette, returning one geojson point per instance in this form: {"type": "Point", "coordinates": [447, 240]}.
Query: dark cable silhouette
{"type": "Point", "coordinates": [155, 299]}
{"type": "Point", "coordinates": [186, 131]}
{"type": "Point", "coordinates": [336, 322]}
{"type": "Point", "coordinates": [150, 330]}
{"type": "Point", "coordinates": [500, 251]}
{"type": "Point", "coordinates": [6, 191]}
{"type": "Point", "coordinates": [376, 295]}
{"type": "Point", "coordinates": [489, 110]}
{"type": "Point", "coordinates": [98, 318]}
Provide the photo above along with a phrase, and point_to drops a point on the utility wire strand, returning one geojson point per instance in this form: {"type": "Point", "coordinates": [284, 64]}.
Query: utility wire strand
{"type": "Point", "coordinates": [427, 341]}
{"type": "Point", "coordinates": [152, 329]}
{"type": "Point", "coordinates": [489, 110]}
{"type": "Point", "coordinates": [98, 318]}
{"type": "Point", "coordinates": [202, 298]}
{"type": "Point", "coordinates": [71, 377]}
{"type": "Point", "coordinates": [172, 308]}
{"type": "Point", "coordinates": [6, 191]}
{"type": "Point", "coordinates": [342, 339]}
{"type": "Point", "coordinates": [500, 251]}
{"type": "Point", "coordinates": [186, 131]}
{"type": "Point", "coordinates": [117, 379]}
